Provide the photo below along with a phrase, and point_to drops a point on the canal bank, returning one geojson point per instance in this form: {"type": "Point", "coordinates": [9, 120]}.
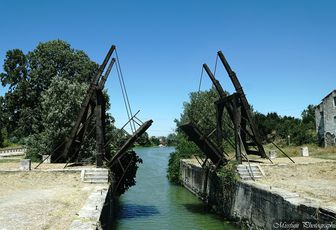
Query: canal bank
{"type": "Point", "coordinates": [155, 203]}
{"type": "Point", "coordinates": [253, 204]}
{"type": "Point", "coordinates": [52, 197]}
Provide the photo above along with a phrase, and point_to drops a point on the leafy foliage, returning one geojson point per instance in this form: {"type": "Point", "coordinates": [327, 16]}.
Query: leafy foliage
{"type": "Point", "coordinates": [124, 182]}
{"type": "Point", "coordinates": [288, 129]}
{"type": "Point", "coordinates": [143, 140]}
{"type": "Point", "coordinates": [46, 90]}
{"type": "Point", "coordinates": [28, 76]}
{"type": "Point", "coordinates": [1, 139]}
{"type": "Point", "coordinates": [171, 139]}
{"type": "Point", "coordinates": [184, 149]}
{"type": "Point", "coordinates": [201, 110]}
{"type": "Point", "coordinates": [60, 105]}
{"type": "Point", "coordinates": [228, 174]}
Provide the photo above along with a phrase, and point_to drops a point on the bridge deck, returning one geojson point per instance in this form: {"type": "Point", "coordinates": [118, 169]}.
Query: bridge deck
{"type": "Point", "coordinates": [204, 143]}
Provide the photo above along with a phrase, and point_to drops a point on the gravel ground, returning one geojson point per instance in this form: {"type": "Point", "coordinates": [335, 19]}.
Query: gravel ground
{"type": "Point", "coordinates": [312, 180]}
{"type": "Point", "coordinates": [41, 200]}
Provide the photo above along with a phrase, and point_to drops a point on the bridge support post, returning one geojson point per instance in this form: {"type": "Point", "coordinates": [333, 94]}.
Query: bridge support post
{"type": "Point", "coordinates": [100, 122]}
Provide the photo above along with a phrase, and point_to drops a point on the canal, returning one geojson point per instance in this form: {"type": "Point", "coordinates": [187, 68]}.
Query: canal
{"type": "Point", "coordinates": [154, 203]}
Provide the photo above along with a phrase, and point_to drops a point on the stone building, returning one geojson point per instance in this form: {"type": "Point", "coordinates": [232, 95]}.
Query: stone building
{"type": "Point", "coordinates": [325, 117]}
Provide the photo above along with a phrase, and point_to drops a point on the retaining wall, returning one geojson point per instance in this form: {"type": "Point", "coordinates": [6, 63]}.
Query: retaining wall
{"type": "Point", "coordinates": [97, 212]}
{"type": "Point", "coordinates": [253, 205]}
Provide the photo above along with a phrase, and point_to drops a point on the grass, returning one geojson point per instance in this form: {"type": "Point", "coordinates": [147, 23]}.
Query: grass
{"type": "Point", "coordinates": [10, 145]}
{"type": "Point", "coordinates": [314, 151]}
{"type": "Point", "coordinates": [4, 160]}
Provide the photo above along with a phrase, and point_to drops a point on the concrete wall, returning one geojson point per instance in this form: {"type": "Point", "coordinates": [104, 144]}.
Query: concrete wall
{"type": "Point", "coordinates": [94, 214]}
{"type": "Point", "coordinates": [253, 205]}
{"type": "Point", "coordinates": [194, 179]}
{"type": "Point", "coordinates": [98, 211]}
{"type": "Point", "coordinates": [107, 215]}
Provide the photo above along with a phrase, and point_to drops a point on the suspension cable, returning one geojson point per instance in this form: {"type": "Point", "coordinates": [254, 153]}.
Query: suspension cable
{"type": "Point", "coordinates": [123, 83]}
{"type": "Point", "coordinates": [200, 81]}
{"type": "Point", "coordinates": [123, 94]}
{"type": "Point", "coordinates": [216, 65]}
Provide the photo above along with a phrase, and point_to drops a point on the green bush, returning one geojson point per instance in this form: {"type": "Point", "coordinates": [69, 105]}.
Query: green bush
{"type": "Point", "coordinates": [173, 171]}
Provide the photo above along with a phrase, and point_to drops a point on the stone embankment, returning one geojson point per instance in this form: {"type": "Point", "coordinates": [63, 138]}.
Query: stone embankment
{"type": "Point", "coordinates": [257, 204]}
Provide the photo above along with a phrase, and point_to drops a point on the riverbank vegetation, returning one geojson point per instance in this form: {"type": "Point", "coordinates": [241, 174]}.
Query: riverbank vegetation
{"type": "Point", "coordinates": [286, 131]}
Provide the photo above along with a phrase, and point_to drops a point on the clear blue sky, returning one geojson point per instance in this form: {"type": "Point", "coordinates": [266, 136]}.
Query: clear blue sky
{"type": "Point", "coordinates": [284, 52]}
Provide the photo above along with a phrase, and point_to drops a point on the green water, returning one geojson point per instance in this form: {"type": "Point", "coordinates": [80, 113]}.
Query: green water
{"type": "Point", "coordinates": [154, 203]}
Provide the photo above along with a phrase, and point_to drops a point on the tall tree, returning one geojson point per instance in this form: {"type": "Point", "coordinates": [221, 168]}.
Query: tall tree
{"type": "Point", "coordinates": [200, 109]}
{"type": "Point", "coordinates": [60, 105]}
{"type": "Point", "coordinates": [308, 116]}
{"type": "Point", "coordinates": [29, 75]}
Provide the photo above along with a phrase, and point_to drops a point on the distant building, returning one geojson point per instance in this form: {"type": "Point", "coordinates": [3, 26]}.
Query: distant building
{"type": "Point", "coordinates": [325, 117]}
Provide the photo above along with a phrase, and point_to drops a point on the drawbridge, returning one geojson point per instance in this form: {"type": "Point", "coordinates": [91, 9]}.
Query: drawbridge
{"type": "Point", "coordinates": [92, 118]}
{"type": "Point", "coordinates": [234, 112]}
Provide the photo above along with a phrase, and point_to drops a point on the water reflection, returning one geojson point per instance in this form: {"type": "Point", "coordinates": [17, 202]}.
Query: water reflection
{"type": "Point", "coordinates": [196, 208]}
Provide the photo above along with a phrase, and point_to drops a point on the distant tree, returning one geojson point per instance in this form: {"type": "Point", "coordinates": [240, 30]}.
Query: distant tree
{"type": "Point", "coordinates": [154, 140]}
{"type": "Point", "coordinates": [308, 116]}
{"type": "Point", "coordinates": [163, 140]}
{"type": "Point", "coordinates": [171, 139]}
{"type": "Point", "coordinates": [308, 132]}
{"type": "Point", "coordinates": [300, 131]}
{"type": "Point", "coordinates": [143, 140]}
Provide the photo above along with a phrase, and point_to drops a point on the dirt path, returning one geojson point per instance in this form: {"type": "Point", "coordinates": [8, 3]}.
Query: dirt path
{"type": "Point", "coordinates": [314, 181]}
{"type": "Point", "coordinates": [40, 200]}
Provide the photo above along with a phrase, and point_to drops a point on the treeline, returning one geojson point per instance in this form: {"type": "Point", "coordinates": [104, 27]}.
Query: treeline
{"type": "Point", "coordinates": [147, 141]}
{"type": "Point", "coordinates": [288, 130]}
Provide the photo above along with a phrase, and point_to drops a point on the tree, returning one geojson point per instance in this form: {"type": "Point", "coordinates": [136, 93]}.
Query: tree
{"type": "Point", "coordinates": [46, 90]}
{"type": "Point", "coordinates": [143, 140]}
{"type": "Point", "coordinates": [171, 139]}
{"type": "Point", "coordinates": [60, 105]}
{"type": "Point", "coordinates": [128, 180]}
{"type": "Point", "coordinates": [200, 109]}
{"type": "Point", "coordinates": [2, 124]}
{"type": "Point", "coordinates": [308, 116]}
{"type": "Point", "coordinates": [1, 139]}
{"type": "Point", "coordinates": [28, 76]}
{"type": "Point", "coordinates": [154, 140]}
{"type": "Point", "coordinates": [274, 127]}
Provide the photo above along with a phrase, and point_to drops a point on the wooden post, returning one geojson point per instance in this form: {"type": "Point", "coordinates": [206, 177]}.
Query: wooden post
{"type": "Point", "coordinates": [99, 128]}
{"type": "Point", "coordinates": [237, 127]}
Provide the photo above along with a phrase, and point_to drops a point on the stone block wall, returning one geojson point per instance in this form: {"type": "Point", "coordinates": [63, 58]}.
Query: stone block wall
{"type": "Point", "coordinates": [325, 117]}
{"type": "Point", "coordinates": [253, 205]}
